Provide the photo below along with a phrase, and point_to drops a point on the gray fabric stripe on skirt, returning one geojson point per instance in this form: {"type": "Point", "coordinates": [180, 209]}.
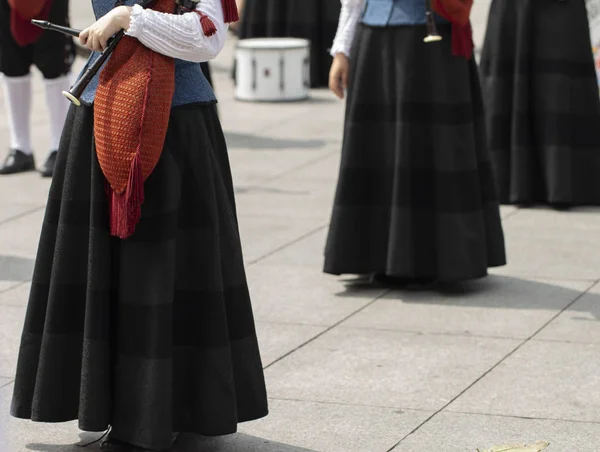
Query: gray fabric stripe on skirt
{"type": "Point", "coordinates": [542, 103]}
{"type": "Point", "coordinates": [416, 196]}
{"type": "Point", "coordinates": [153, 334]}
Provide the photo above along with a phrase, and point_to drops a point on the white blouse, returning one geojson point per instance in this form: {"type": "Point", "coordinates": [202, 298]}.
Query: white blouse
{"type": "Point", "coordinates": [180, 36]}
{"type": "Point", "coordinates": [349, 18]}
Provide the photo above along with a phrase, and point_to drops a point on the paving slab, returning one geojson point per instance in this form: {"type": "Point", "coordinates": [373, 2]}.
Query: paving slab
{"type": "Point", "coordinates": [24, 233]}
{"type": "Point", "coordinates": [16, 294]}
{"type": "Point", "coordinates": [497, 306]}
{"type": "Point", "coordinates": [385, 368]}
{"type": "Point", "coordinates": [308, 251]}
{"type": "Point", "coordinates": [278, 339]}
{"type": "Point", "coordinates": [579, 323]}
{"type": "Point", "coordinates": [335, 427]}
{"type": "Point", "coordinates": [264, 235]}
{"type": "Point", "coordinates": [454, 432]}
{"type": "Point", "coordinates": [550, 251]}
{"type": "Point", "coordinates": [547, 380]}
{"type": "Point", "coordinates": [289, 196]}
{"type": "Point", "coordinates": [11, 326]}
{"type": "Point", "coordinates": [249, 167]}
{"type": "Point", "coordinates": [299, 295]}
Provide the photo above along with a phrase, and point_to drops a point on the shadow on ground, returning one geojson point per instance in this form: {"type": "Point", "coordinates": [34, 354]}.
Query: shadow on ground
{"type": "Point", "coordinates": [248, 141]}
{"type": "Point", "coordinates": [493, 292]}
{"type": "Point", "coordinates": [13, 268]}
{"type": "Point", "coordinates": [189, 443]}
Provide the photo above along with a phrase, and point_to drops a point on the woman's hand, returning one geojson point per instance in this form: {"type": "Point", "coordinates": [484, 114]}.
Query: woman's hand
{"type": "Point", "coordinates": [96, 36]}
{"type": "Point", "coordinates": [338, 75]}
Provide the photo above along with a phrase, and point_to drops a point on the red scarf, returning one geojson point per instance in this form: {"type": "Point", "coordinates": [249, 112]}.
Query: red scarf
{"type": "Point", "coordinates": [458, 12]}
{"type": "Point", "coordinates": [21, 13]}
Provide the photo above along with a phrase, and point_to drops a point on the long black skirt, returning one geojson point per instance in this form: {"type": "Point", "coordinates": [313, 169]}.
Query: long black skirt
{"type": "Point", "coordinates": [416, 196]}
{"type": "Point", "coordinates": [153, 334]}
{"type": "Point", "coordinates": [542, 105]}
{"type": "Point", "coordinates": [315, 20]}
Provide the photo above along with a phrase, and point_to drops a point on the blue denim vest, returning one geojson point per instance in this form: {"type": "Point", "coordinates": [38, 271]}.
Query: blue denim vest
{"type": "Point", "coordinates": [381, 13]}
{"type": "Point", "coordinates": [190, 84]}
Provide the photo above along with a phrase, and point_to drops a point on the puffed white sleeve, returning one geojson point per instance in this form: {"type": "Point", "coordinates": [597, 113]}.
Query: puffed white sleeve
{"type": "Point", "coordinates": [349, 18]}
{"type": "Point", "coordinates": [180, 36]}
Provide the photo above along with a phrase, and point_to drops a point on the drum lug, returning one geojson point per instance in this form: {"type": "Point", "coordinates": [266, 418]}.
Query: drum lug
{"type": "Point", "coordinates": [254, 74]}
{"type": "Point", "coordinates": [307, 72]}
{"type": "Point", "coordinates": [282, 73]}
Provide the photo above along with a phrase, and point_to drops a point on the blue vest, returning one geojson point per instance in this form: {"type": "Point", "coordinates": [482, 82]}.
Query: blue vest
{"type": "Point", "coordinates": [190, 84]}
{"type": "Point", "coordinates": [381, 13]}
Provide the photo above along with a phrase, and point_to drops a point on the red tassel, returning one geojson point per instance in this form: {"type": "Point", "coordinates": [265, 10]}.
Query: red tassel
{"type": "Point", "coordinates": [126, 208]}
{"type": "Point", "coordinates": [208, 27]}
{"type": "Point", "coordinates": [230, 11]}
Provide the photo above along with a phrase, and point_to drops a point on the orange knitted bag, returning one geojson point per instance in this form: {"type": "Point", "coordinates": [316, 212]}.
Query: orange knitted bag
{"type": "Point", "coordinates": [131, 116]}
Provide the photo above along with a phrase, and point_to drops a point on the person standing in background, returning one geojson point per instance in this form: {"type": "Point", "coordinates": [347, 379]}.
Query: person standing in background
{"type": "Point", "coordinates": [23, 45]}
{"type": "Point", "coordinates": [543, 111]}
{"type": "Point", "coordinates": [416, 201]}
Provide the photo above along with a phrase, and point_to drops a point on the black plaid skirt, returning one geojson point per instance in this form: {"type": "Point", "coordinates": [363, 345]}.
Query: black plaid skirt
{"type": "Point", "coordinates": [542, 104]}
{"type": "Point", "coordinates": [153, 334]}
{"type": "Point", "coordinates": [416, 196]}
{"type": "Point", "coordinates": [315, 20]}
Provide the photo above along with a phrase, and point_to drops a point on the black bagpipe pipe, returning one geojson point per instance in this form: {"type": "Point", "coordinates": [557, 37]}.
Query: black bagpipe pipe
{"type": "Point", "coordinates": [432, 33]}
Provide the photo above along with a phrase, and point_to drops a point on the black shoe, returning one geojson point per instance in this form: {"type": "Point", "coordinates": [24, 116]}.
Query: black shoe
{"type": "Point", "coordinates": [17, 162]}
{"type": "Point", "coordinates": [48, 168]}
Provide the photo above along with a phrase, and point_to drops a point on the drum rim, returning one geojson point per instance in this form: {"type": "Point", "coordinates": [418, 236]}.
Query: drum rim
{"type": "Point", "coordinates": [299, 43]}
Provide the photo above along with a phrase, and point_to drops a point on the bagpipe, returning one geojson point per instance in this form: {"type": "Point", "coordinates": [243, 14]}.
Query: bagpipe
{"type": "Point", "coordinates": [132, 107]}
{"type": "Point", "coordinates": [457, 12]}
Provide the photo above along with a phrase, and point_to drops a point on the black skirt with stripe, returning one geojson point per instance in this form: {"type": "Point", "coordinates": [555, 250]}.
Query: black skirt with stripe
{"type": "Point", "coordinates": [315, 20]}
{"type": "Point", "coordinates": [416, 196]}
{"type": "Point", "coordinates": [542, 104]}
{"type": "Point", "coordinates": [153, 334]}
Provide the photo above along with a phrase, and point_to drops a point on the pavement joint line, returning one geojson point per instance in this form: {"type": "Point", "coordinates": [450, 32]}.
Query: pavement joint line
{"type": "Point", "coordinates": [287, 245]}
{"type": "Point", "coordinates": [15, 286]}
{"type": "Point", "coordinates": [22, 215]}
{"type": "Point", "coordinates": [7, 384]}
{"type": "Point", "coordinates": [329, 402]}
{"type": "Point", "coordinates": [527, 418]}
{"type": "Point", "coordinates": [558, 341]}
{"type": "Point", "coordinates": [541, 278]}
{"type": "Point", "coordinates": [327, 330]}
{"type": "Point", "coordinates": [433, 333]}
{"type": "Point", "coordinates": [491, 369]}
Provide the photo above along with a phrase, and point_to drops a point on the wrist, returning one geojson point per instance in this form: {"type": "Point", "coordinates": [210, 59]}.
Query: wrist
{"type": "Point", "coordinates": [124, 17]}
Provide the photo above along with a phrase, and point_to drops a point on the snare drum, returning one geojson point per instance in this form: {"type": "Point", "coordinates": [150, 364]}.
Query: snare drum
{"type": "Point", "coordinates": [272, 69]}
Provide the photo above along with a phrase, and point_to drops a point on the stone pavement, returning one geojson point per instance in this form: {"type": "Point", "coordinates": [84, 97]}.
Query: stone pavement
{"type": "Point", "coordinates": [511, 358]}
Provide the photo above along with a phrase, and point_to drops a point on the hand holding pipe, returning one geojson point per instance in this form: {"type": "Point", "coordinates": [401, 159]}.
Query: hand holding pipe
{"type": "Point", "coordinates": [80, 85]}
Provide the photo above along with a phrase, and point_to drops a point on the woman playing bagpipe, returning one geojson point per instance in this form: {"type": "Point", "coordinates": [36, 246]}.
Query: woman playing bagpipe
{"type": "Point", "coordinates": [542, 106]}
{"type": "Point", "coordinates": [416, 199]}
{"type": "Point", "coordinates": [139, 316]}
{"type": "Point", "coordinates": [23, 45]}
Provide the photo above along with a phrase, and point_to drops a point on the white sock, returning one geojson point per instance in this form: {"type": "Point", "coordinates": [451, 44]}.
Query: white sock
{"type": "Point", "coordinates": [17, 97]}
{"type": "Point", "coordinates": [58, 106]}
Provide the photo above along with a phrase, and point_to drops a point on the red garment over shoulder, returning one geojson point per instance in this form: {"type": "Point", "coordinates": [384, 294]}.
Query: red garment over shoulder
{"type": "Point", "coordinates": [458, 13]}
{"type": "Point", "coordinates": [21, 13]}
